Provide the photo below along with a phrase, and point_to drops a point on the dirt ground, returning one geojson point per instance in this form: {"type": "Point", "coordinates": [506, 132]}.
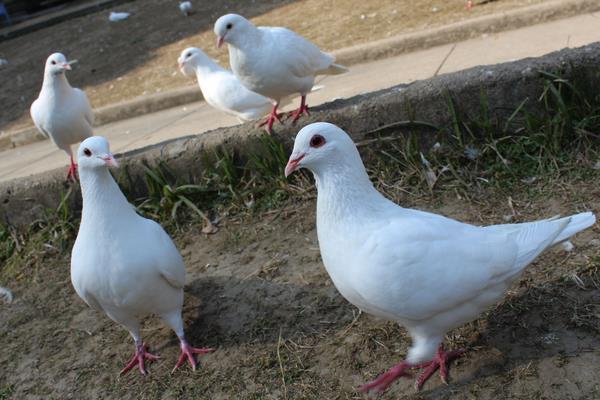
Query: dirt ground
{"type": "Point", "coordinates": [119, 61]}
{"type": "Point", "coordinates": [258, 293]}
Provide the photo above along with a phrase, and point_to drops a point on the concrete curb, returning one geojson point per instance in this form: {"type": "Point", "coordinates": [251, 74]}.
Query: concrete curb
{"type": "Point", "coordinates": [352, 55]}
{"type": "Point", "coordinates": [464, 30]}
{"type": "Point", "coordinates": [506, 86]}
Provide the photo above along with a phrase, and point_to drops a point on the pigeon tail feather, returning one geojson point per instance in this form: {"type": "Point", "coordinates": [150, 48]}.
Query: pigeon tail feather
{"type": "Point", "coordinates": [533, 239]}
{"type": "Point", "coordinates": [577, 223]}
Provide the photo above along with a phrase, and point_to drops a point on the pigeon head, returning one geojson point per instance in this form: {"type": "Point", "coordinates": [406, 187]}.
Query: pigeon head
{"type": "Point", "coordinates": [190, 58]}
{"type": "Point", "coordinates": [57, 64]}
{"type": "Point", "coordinates": [93, 153]}
{"type": "Point", "coordinates": [231, 28]}
{"type": "Point", "coordinates": [322, 146]}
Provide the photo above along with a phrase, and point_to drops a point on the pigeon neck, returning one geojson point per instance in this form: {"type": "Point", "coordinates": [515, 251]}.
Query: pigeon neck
{"type": "Point", "coordinates": [345, 190]}
{"type": "Point", "coordinates": [102, 198]}
{"type": "Point", "coordinates": [57, 82]}
{"type": "Point", "coordinates": [204, 70]}
{"type": "Point", "coordinates": [250, 40]}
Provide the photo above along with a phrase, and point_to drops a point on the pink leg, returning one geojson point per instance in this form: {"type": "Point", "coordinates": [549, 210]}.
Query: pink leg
{"type": "Point", "coordinates": [187, 352]}
{"type": "Point", "coordinates": [384, 380]}
{"type": "Point", "coordinates": [72, 172]}
{"type": "Point", "coordinates": [440, 361]}
{"type": "Point", "coordinates": [138, 359]}
{"type": "Point", "coordinates": [274, 116]}
{"type": "Point", "coordinates": [303, 109]}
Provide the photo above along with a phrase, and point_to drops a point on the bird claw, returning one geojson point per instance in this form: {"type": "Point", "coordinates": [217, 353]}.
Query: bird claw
{"type": "Point", "coordinates": [188, 353]}
{"type": "Point", "coordinates": [295, 115]}
{"type": "Point", "coordinates": [440, 360]}
{"type": "Point", "coordinates": [270, 120]}
{"type": "Point", "coordinates": [72, 175]}
{"type": "Point", "coordinates": [141, 354]}
{"type": "Point", "coordinates": [383, 381]}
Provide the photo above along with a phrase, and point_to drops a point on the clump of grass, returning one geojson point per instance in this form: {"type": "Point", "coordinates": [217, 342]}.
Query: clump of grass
{"type": "Point", "coordinates": [48, 236]}
{"type": "Point", "coordinates": [166, 197]}
{"type": "Point", "coordinates": [482, 151]}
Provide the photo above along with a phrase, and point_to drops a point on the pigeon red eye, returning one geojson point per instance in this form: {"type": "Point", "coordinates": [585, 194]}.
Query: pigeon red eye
{"type": "Point", "coordinates": [317, 141]}
{"type": "Point", "coordinates": [87, 152]}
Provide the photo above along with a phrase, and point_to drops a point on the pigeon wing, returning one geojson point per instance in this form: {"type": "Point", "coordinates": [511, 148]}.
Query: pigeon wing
{"type": "Point", "coordinates": [232, 95]}
{"type": "Point", "coordinates": [168, 261]}
{"type": "Point", "coordinates": [300, 56]}
{"type": "Point", "coordinates": [435, 264]}
{"type": "Point", "coordinates": [36, 115]}
{"type": "Point", "coordinates": [84, 105]}
{"type": "Point", "coordinates": [430, 266]}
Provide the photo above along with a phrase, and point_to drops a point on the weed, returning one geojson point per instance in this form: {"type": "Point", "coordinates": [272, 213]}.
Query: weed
{"type": "Point", "coordinates": [166, 197]}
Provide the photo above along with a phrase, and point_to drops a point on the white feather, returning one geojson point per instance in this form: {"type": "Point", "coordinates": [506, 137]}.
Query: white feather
{"type": "Point", "coordinates": [221, 89]}
{"type": "Point", "coordinates": [6, 294]}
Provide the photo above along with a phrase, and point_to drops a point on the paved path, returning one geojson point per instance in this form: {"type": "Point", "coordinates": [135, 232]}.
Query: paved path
{"type": "Point", "coordinates": [198, 117]}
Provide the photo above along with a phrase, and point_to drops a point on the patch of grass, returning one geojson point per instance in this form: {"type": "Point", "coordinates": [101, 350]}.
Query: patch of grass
{"type": "Point", "coordinates": [6, 391]}
{"type": "Point", "coordinates": [472, 153]}
{"type": "Point", "coordinates": [166, 197]}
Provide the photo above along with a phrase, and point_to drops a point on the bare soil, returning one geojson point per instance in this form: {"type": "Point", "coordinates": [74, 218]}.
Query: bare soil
{"type": "Point", "coordinates": [258, 293]}
{"type": "Point", "coordinates": [122, 60]}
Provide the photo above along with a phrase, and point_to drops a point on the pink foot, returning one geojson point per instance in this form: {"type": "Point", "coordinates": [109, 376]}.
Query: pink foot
{"type": "Point", "coordinates": [303, 109]}
{"type": "Point", "coordinates": [72, 172]}
{"type": "Point", "coordinates": [138, 358]}
{"type": "Point", "coordinates": [187, 352]}
{"type": "Point", "coordinates": [273, 116]}
{"type": "Point", "coordinates": [384, 380]}
{"type": "Point", "coordinates": [440, 360]}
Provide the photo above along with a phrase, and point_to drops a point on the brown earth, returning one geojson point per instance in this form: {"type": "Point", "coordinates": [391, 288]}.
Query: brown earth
{"type": "Point", "coordinates": [257, 292]}
{"type": "Point", "coordinates": [119, 61]}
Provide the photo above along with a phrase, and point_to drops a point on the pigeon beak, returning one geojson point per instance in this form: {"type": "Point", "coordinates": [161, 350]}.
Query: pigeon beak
{"type": "Point", "coordinates": [293, 164]}
{"type": "Point", "coordinates": [220, 40]}
{"type": "Point", "coordinates": [68, 64]}
{"type": "Point", "coordinates": [110, 160]}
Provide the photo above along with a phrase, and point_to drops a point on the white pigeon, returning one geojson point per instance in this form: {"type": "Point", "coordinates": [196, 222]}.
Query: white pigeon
{"type": "Point", "coordinates": [61, 112]}
{"type": "Point", "coordinates": [425, 271]}
{"type": "Point", "coordinates": [220, 88]}
{"type": "Point", "coordinates": [274, 62]}
{"type": "Point", "coordinates": [6, 294]}
{"type": "Point", "coordinates": [185, 7]}
{"type": "Point", "coordinates": [118, 16]}
{"type": "Point", "coordinates": [124, 264]}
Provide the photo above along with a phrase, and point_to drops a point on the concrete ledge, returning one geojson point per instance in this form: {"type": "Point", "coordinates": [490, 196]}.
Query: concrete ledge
{"type": "Point", "coordinates": [352, 55]}
{"type": "Point", "coordinates": [507, 85]}
{"type": "Point", "coordinates": [147, 104]}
